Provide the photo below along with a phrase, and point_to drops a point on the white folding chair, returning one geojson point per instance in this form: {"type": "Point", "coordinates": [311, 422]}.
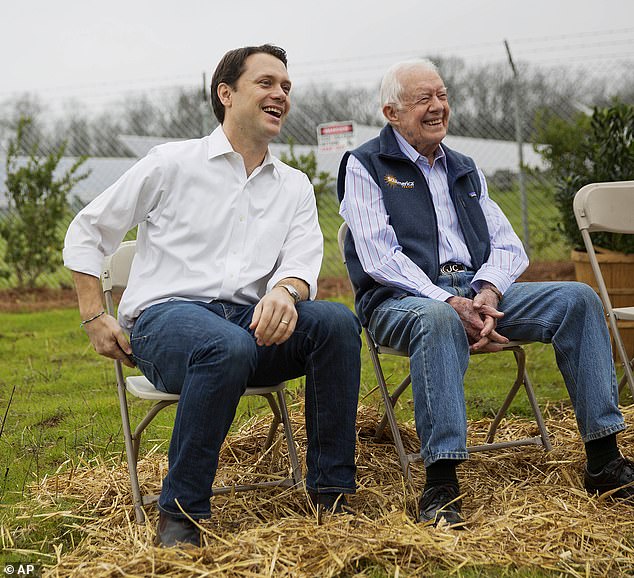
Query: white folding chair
{"type": "Point", "coordinates": [390, 398]}
{"type": "Point", "coordinates": [608, 207]}
{"type": "Point", "coordinates": [116, 270]}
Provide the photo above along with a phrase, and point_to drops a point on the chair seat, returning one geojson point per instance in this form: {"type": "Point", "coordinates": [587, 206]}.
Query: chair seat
{"type": "Point", "coordinates": [141, 387]}
{"type": "Point", "coordinates": [624, 313]}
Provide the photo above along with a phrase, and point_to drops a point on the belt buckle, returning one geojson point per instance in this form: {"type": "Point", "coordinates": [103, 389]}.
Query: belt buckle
{"type": "Point", "coordinates": [447, 268]}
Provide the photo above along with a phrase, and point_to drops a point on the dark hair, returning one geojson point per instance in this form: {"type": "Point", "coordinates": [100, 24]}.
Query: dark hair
{"type": "Point", "coordinates": [231, 67]}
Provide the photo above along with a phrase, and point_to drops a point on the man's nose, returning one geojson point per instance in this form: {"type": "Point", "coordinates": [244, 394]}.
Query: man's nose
{"type": "Point", "coordinates": [278, 93]}
{"type": "Point", "coordinates": [435, 102]}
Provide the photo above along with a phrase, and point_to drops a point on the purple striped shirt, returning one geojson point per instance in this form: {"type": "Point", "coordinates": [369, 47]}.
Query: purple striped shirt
{"type": "Point", "coordinates": [380, 253]}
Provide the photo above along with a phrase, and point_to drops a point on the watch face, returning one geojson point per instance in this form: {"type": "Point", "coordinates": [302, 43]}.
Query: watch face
{"type": "Point", "coordinates": [293, 292]}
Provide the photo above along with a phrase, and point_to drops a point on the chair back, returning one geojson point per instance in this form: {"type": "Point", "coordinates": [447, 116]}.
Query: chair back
{"type": "Point", "coordinates": [608, 207]}
{"type": "Point", "coordinates": [116, 268]}
{"type": "Point", "coordinates": [341, 239]}
{"type": "Point", "coordinates": [605, 207]}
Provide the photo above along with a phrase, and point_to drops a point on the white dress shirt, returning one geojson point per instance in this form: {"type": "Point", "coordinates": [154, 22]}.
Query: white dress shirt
{"type": "Point", "coordinates": [206, 230]}
{"type": "Point", "coordinates": [382, 257]}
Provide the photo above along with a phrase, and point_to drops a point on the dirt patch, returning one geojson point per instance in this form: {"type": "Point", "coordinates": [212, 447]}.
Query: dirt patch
{"type": "Point", "coordinates": [43, 298]}
{"type": "Point", "coordinates": [549, 271]}
{"type": "Point", "coordinates": [39, 299]}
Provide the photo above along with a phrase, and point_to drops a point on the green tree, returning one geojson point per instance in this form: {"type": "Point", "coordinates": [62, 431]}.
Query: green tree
{"type": "Point", "coordinates": [322, 181]}
{"type": "Point", "coordinates": [37, 205]}
{"type": "Point", "coordinates": [587, 150]}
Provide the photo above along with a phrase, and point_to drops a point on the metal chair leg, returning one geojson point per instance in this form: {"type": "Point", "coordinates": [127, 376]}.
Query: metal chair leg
{"type": "Point", "coordinates": [520, 358]}
{"type": "Point", "coordinates": [277, 420]}
{"type": "Point", "coordinates": [290, 440]}
{"type": "Point", "coordinates": [390, 414]}
{"type": "Point", "coordinates": [378, 434]}
{"type": "Point", "coordinates": [131, 452]}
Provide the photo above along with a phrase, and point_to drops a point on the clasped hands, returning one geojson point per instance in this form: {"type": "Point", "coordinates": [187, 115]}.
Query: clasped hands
{"type": "Point", "coordinates": [479, 317]}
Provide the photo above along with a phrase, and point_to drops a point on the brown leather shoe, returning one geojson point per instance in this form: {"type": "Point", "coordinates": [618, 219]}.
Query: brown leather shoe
{"type": "Point", "coordinates": [172, 531]}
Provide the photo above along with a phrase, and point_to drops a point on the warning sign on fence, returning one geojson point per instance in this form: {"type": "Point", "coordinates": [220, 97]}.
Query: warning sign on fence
{"type": "Point", "coordinates": [335, 136]}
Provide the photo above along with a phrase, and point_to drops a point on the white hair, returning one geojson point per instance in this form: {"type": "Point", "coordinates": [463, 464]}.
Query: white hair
{"type": "Point", "coordinates": [391, 88]}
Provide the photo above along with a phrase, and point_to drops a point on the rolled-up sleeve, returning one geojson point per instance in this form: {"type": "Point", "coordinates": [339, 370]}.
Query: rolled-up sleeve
{"type": "Point", "coordinates": [98, 229]}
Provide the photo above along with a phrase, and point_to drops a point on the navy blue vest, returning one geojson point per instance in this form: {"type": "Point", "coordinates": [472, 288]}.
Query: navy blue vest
{"type": "Point", "coordinates": [409, 204]}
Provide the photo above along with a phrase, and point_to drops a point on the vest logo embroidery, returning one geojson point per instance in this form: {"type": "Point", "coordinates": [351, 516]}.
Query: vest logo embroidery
{"type": "Point", "coordinates": [473, 194]}
{"type": "Point", "coordinates": [392, 181]}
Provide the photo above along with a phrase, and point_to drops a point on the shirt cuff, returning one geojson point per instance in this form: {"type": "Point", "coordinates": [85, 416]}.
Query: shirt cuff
{"type": "Point", "coordinates": [305, 276]}
{"type": "Point", "coordinates": [83, 260]}
{"type": "Point", "coordinates": [492, 275]}
{"type": "Point", "coordinates": [435, 292]}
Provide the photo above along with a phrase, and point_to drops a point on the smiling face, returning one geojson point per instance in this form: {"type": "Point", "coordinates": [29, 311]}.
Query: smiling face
{"type": "Point", "coordinates": [422, 116]}
{"type": "Point", "coordinates": [259, 103]}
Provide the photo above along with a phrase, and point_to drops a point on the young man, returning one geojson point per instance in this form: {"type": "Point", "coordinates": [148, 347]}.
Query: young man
{"type": "Point", "coordinates": [221, 289]}
{"type": "Point", "coordinates": [436, 261]}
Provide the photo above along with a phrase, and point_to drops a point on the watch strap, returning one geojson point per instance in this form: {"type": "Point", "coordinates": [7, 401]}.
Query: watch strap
{"type": "Point", "coordinates": [294, 293]}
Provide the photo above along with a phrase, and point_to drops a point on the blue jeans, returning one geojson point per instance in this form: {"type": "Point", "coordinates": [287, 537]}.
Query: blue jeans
{"type": "Point", "coordinates": [568, 315]}
{"type": "Point", "coordinates": [207, 354]}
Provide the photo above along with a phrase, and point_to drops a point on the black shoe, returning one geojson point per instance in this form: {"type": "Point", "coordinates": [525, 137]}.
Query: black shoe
{"type": "Point", "coordinates": [331, 503]}
{"type": "Point", "coordinates": [173, 531]}
{"type": "Point", "coordinates": [616, 475]}
{"type": "Point", "coordinates": [441, 502]}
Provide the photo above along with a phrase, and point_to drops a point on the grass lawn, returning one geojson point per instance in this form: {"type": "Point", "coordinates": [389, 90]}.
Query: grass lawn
{"type": "Point", "coordinates": [58, 408]}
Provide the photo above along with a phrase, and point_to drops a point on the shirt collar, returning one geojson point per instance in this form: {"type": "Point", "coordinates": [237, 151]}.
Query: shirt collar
{"type": "Point", "coordinates": [219, 145]}
{"type": "Point", "coordinates": [411, 153]}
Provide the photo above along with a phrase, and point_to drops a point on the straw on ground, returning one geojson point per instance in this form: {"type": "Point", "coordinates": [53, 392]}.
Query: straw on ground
{"type": "Point", "coordinates": [525, 508]}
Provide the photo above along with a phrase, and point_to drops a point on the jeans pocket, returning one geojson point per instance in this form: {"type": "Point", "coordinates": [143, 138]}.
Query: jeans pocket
{"type": "Point", "coordinates": [150, 371]}
{"type": "Point", "coordinates": [147, 367]}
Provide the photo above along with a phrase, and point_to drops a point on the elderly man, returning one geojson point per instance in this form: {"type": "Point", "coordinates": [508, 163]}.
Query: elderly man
{"type": "Point", "coordinates": [435, 262]}
{"type": "Point", "coordinates": [221, 290]}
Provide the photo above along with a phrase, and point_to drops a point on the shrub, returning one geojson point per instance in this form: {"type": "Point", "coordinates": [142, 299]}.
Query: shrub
{"type": "Point", "coordinates": [37, 206]}
{"type": "Point", "coordinates": [586, 150]}
{"type": "Point", "coordinates": [322, 181]}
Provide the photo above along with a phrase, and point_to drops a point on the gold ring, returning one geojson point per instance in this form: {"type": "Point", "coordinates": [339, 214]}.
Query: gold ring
{"type": "Point", "coordinates": [284, 322]}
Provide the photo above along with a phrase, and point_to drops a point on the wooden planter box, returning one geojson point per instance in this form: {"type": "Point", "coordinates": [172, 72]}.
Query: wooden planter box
{"type": "Point", "coordinates": [618, 273]}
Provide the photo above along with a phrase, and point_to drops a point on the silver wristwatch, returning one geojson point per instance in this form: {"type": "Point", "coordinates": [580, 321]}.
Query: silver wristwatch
{"type": "Point", "coordinates": [294, 293]}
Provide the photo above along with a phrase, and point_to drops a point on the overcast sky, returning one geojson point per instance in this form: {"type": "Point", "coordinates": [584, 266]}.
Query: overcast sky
{"type": "Point", "coordinates": [75, 48]}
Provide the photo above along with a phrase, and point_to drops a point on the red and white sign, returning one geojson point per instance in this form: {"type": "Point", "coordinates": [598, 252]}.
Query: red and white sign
{"type": "Point", "coordinates": [335, 136]}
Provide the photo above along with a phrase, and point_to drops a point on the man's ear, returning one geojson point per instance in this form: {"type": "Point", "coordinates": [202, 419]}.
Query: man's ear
{"type": "Point", "coordinates": [224, 93]}
{"type": "Point", "coordinates": [390, 112]}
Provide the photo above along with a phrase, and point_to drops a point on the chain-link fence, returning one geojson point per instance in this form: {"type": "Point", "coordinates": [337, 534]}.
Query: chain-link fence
{"type": "Point", "coordinates": [496, 119]}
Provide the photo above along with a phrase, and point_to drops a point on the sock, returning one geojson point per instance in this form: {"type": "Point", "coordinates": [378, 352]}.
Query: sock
{"type": "Point", "coordinates": [441, 472]}
{"type": "Point", "coordinates": [600, 452]}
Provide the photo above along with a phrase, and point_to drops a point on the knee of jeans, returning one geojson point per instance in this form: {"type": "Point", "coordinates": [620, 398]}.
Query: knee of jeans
{"type": "Point", "coordinates": [436, 318]}
{"type": "Point", "coordinates": [582, 297]}
{"type": "Point", "coordinates": [238, 352]}
{"type": "Point", "coordinates": [332, 319]}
